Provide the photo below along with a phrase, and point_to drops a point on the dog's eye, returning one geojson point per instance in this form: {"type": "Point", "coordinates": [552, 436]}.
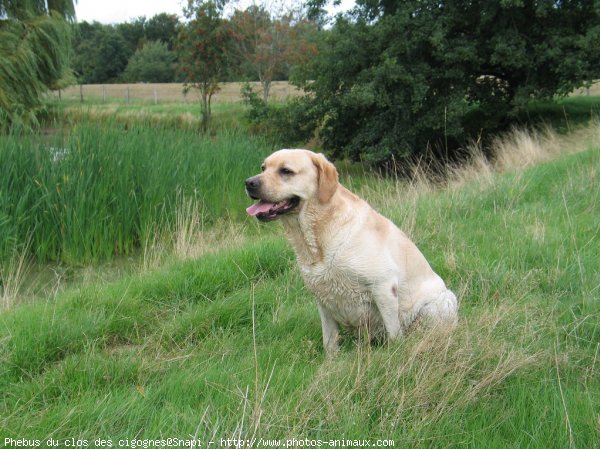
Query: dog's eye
{"type": "Point", "coordinates": [285, 171]}
{"type": "Point", "coordinates": [262, 168]}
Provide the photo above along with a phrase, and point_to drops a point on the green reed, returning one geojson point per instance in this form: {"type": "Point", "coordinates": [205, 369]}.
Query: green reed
{"type": "Point", "coordinates": [95, 191]}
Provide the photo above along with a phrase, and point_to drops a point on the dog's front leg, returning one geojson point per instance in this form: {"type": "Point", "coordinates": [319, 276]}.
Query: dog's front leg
{"type": "Point", "coordinates": [331, 330]}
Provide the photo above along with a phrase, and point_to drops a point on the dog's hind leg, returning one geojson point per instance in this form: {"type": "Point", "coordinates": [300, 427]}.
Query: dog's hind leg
{"type": "Point", "coordinates": [386, 300]}
{"type": "Point", "coordinates": [444, 308]}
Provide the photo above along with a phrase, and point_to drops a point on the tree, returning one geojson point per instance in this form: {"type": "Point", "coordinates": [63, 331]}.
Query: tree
{"type": "Point", "coordinates": [111, 55]}
{"type": "Point", "coordinates": [401, 76]}
{"type": "Point", "coordinates": [203, 51]}
{"type": "Point", "coordinates": [101, 53]}
{"type": "Point", "coordinates": [153, 63]}
{"type": "Point", "coordinates": [134, 33]}
{"type": "Point", "coordinates": [34, 51]}
{"type": "Point", "coordinates": [267, 46]}
{"type": "Point", "coordinates": [162, 27]}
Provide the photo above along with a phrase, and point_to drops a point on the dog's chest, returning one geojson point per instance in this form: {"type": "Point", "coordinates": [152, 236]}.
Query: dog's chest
{"type": "Point", "coordinates": [341, 291]}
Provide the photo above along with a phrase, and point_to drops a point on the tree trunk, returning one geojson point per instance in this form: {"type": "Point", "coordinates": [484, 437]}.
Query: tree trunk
{"type": "Point", "coordinates": [266, 85]}
{"type": "Point", "coordinates": [205, 107]}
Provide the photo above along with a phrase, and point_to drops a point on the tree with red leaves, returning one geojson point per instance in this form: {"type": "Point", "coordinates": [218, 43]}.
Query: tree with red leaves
{"type": "Point", "coordinates": [203, 47]}
{"type": "Point", "coordinates": [267, 45]}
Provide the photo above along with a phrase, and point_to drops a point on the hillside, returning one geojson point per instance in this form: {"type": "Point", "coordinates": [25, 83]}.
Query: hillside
{"type": "Point", "coordinates": [229, 345]}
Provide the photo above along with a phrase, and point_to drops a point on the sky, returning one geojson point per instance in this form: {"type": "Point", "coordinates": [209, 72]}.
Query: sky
{"type": "Point", "coordinates": [118, 11]}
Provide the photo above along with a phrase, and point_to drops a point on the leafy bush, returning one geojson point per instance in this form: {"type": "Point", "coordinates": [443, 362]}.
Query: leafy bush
{"type": "Point", "coordinates": [292, 122]}
{"type": "Point", "coordinates": [153, 63]}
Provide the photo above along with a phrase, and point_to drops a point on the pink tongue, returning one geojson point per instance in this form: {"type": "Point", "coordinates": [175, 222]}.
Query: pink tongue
{"type": "Point", "coordinates": [259, 207]}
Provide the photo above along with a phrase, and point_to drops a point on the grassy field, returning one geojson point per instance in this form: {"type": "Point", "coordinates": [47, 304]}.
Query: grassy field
{"type": "Point", "coordinates": [594, 89]}
{"type": "Point", "coordinates": [564, 114]}
{"type": "Point", "coordinates": [224, 116]}
{"type": "Point", "coordinates": [228, 344]}
{"type": "Point", "coordinates": [158, 104]}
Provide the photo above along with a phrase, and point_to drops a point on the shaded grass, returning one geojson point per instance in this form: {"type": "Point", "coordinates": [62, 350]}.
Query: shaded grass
{"type": "Point", "coordinates": [564, 114]}
{"type": "Point", "coordinates": [229, 345]}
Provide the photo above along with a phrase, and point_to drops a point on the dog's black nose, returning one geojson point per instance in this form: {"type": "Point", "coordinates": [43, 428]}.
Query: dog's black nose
{"type": "Point", "coordinates": [252, 183]}
{"type": "Point", "coordinates": [253, 187]}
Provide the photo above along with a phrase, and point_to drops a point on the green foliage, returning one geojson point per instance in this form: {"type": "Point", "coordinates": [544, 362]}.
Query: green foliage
{"type": "Point", "coordinates": [258, 109]}
{"type": "Point", "coordinates": [402, 78]}
{"type": "Point", "coordinates": [208, 46]}
{"type": "Point", "coordinates": [24, 9]}
{"type": "Point", "coordinates": [100, 53]}
{"type": "Point", "coordinates": [102, 190]}
{"type": "Point", "coordinates": [153, 63]}
{"type": "Point", "coordinates": [162, 27]}
{"type": "Point", "coordinates": [34, 49]}
{"type": "Point", "coordinates": [292, 122]}
{"type": "Point", "coordinates": [133, 32]}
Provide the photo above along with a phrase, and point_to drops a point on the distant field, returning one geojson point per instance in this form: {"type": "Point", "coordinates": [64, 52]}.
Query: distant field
{"type": "Point", "coordinates": [173, 92]}
{"type": "Point", "coordinates": [167, 92]}
{"type": "Point", "coordinates": [594, 90]}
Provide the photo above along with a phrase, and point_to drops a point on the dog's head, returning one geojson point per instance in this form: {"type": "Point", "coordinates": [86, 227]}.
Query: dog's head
{"type": "Point", "coordinates": [289, 180]}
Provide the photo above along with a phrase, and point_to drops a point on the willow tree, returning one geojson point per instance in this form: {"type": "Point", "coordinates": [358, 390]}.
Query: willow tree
{"type": "Point", "coordinates": [34, 48]}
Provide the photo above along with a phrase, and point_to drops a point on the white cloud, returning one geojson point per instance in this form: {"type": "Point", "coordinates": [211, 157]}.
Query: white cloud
{"type": "Point", "coordinates": [118, 11]}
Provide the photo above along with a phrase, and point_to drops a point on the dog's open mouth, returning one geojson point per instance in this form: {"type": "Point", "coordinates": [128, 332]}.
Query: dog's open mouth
{"type": "Point", "coordinates": [266, 211]}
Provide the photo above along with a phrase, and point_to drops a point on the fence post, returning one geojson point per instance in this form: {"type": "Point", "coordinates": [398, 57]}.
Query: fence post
{"type": "Point", "coordinates": [103, 93]}
{"type": "Point", "coordinates": [127, 94]}
{"type": "Point", "coordinates": [155, 96]}
{"type": "Point", "coordinates": [81, 93]}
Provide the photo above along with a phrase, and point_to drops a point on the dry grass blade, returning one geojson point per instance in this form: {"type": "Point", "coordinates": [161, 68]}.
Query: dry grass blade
{"type": "Point", "coordinates": [12, 275]}
{"type": "Point", "coordinates": [419, 381]}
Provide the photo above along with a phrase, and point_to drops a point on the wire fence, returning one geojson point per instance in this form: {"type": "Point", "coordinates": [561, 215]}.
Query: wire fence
{"type": "Point", "coordinates": [166, 92]}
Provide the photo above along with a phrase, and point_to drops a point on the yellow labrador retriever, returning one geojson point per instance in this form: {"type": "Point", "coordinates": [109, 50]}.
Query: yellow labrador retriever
{"type": "Point", "coordinates": [364, 271]}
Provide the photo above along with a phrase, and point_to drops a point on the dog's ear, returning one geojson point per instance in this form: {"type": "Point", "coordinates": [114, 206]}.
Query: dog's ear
{"type": "Point", "coordinates": [327, 177]}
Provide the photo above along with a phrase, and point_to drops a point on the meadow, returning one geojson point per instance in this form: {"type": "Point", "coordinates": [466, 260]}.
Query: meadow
{"type": "Point", "coordinates": [210, 333]}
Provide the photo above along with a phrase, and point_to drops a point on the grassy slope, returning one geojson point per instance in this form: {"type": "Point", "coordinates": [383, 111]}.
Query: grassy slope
{"type": "Point", "coordinates": [230, 345]}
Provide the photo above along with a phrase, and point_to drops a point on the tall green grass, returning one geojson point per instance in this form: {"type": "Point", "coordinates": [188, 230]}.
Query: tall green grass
{"type": "Point", "coordinates": [99, 190]}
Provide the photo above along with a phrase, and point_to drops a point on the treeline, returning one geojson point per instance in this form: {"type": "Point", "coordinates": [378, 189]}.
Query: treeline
{"type": "Point", "coordinates": [156, 49]}
{"type": "Point", "coordinates": [387, 81]}
{"type": "Point", "coordinates": [140, 50]}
